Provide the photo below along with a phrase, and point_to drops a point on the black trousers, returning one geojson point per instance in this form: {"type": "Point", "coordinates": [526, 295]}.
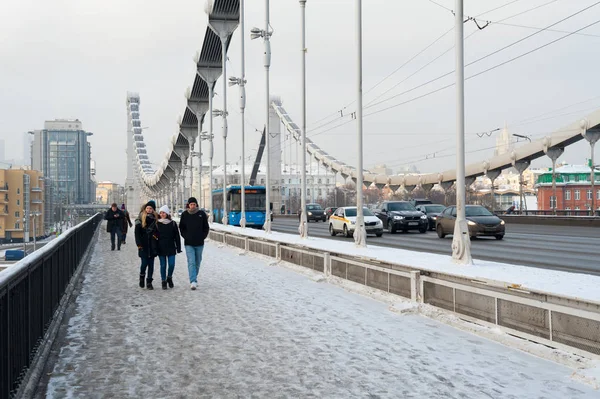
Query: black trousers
{"type": "Point", "coordinates": [115, 231]}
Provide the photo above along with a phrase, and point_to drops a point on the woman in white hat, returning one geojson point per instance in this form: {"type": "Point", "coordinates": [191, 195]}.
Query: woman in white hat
{"type": "Point", "coordinates": [169, 244]}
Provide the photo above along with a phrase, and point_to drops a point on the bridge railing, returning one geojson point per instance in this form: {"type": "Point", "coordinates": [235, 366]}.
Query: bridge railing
{"type": "Point", "coordinates": [550, 212]}
{"type": "Point", "coordinates": [30, 294]}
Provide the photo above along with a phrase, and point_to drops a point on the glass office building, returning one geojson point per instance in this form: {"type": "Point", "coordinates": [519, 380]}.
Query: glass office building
{"type": "Point", "coordinates": [61, 151]}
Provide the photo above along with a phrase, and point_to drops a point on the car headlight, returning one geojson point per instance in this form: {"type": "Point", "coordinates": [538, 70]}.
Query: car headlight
{"type": "Point", "coordinates": [502, 223]}
{"type": "Point", "coordinates": [434, 217]}
{"type": "Point", "coordinates": [398, 217]}
{"type": "Point", "coordinates": [309, 213]}
{"type": "Point", "coordinates": [379, 222]}
{"type": "Point", "coordinates": [471, 223]}
{"type": "Point", "coordinates": [424, 217]}
{"type": "Point", "coordinates": [352, 222]}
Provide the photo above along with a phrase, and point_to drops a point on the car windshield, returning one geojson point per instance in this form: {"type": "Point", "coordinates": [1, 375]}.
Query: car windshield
{"type": "Point", "coordinates": [351, 212]}
{"type": "Point", "coordinates": [314, 207]}
{"type": "Point", "coordinates": [477, 211]}
{"type": "Point", "coordinates": [400, 206]}
{"type": "Point", "coordinates": [434, 209]}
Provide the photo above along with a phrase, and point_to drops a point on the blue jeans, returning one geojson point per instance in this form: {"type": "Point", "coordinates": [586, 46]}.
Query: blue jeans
{"type": "Point", "coordinates": [163, 266]}
{"type": "Point", "coordinates": [194, 258]}
{"type": "Point", "coordinates": [115, 231]}
{"type": "Point", "coordinates": [147, 263]}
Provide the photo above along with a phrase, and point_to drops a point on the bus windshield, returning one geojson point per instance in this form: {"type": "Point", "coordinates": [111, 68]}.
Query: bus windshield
{"type": "Point", "coordinates": [254, 202]}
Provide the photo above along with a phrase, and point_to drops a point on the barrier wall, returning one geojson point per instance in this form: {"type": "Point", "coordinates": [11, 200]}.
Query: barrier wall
{"type": "Point", "coordinates": [561, 322]}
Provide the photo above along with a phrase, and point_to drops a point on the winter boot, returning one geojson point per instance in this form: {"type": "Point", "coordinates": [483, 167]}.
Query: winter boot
{"type": "Point", "coordinates": [164, 284]}
{"type": "Point", "coordinates": [149, 284]}
{"type": "Point", "coordinates": [142, 278]}
{"type": "Point", "coordinates": [170, 282]}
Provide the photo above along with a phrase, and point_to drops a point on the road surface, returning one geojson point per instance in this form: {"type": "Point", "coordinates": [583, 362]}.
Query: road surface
{"type": "Point", "coordinates": [574, 249]}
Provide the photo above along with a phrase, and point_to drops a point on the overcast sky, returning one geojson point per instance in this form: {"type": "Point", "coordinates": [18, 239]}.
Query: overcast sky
{"type": "Point", "coordinates": [78, 59]}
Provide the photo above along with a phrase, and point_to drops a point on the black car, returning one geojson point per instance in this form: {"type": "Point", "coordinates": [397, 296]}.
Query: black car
{"type": "Point", "coordinates": [401, 215]}
{"type": "Point", "coordinates": [313, 212]}
{"type": "Point", "coordinates": [432, 211]}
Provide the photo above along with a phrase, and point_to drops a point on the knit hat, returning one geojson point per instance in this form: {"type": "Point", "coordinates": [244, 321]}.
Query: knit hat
{"type": "Point", "coordinates": [164, 209]}
{"type": "Point", "coordinates": [193, 200]}
{"type": "Point", "coordinates": [151, 203]}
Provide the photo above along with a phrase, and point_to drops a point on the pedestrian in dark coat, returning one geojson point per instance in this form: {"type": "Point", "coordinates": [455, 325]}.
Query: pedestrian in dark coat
{"type": "Point", "coordinates": [146, 239]}
{"type": "Point", "coordinates": [169, 244]}
{"type": "Point", "coordinates": [115, 217]}
{"type": "Point", "coordinates": [194, 228]}
{"type": "Point", "coordinates": [126, 223]}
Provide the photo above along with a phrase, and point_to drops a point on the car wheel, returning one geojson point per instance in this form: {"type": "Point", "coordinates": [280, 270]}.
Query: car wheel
{"type": "Point", "coordinates": [440, 231]}
{"type": "Point", "coordinates": [499, 236]}
{"type": "Point", "coordinates": [379, 234]}
{"type": "Point", "coordinates": [391, 228]}
{"type": "Point", "coordinates": [346, 232]}
{"type": "Point", "coordinates": [331, 230]}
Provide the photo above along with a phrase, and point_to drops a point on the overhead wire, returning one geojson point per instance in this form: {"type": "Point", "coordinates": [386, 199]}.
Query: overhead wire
{"type": "Point", "coordinates": [493, 53]}
{"type": "Point", "coordinates": [426, 65]}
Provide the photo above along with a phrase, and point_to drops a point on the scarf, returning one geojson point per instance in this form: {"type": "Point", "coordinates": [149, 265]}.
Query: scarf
{"type": "Point", "coordinates": [193, 211]}
{"type": "Point", "coordinates": [165, 221]}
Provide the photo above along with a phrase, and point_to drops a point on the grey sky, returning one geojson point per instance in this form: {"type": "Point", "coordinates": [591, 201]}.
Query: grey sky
{"type": "Point", "coordinates": [78, 59]}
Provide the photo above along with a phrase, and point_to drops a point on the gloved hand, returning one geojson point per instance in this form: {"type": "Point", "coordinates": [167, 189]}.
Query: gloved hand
{"type": "Point", "coordinates": [140, 251]}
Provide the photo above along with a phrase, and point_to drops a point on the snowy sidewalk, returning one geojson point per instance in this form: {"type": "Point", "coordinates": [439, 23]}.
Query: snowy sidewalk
{"type": "Point", "coordinates": [254, 330]}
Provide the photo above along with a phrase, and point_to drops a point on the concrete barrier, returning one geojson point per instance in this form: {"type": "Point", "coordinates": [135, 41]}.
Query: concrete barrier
{"type": "Point", "coordinates": [553, 320]}
{"type": "Point", "coordinates": [579, 221]}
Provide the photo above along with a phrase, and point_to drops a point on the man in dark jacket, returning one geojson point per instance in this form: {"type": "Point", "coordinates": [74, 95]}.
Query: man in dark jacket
{"type": "Point", "coordinates": [113, 226]}
{"type": "Point", "coordinates": [194, 229]}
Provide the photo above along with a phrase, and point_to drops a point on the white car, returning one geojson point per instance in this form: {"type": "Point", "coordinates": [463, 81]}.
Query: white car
{"type": "Point", "coordinates": [343, 221]}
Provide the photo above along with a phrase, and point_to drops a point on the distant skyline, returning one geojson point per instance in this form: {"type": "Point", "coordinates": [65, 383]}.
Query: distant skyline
{"type": "Point", "coordinates": [65, 59]}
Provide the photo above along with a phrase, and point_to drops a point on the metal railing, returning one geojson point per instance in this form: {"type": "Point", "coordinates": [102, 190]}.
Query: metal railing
{"type": "Point", "coordinates": [550, 212]}
{"type": "Point", "coordinates": [30, 293]}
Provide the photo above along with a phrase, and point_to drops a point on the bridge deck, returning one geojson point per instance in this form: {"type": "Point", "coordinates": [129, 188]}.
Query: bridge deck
{"type": "Point", "coordinates": [256, 330]}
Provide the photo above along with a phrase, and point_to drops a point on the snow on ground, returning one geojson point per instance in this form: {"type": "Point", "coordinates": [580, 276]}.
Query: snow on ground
{"type": "Point", "coordinates": [254, 329]}
{"type": "Point", "coordinates": [574, 285]}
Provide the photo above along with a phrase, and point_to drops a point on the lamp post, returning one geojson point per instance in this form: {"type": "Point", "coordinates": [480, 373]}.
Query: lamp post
{"type": "Point", "coordinates": [360, 233]}
{"type": "Point", "coordinates": [303, 228]}
{"type": "Point", "coordinates": [255, 33]}
{"type": "Point", "coordinates": [223, 114]}
{"type": "Point", "coordinates": [461, 242]}
{"type": "Point", "coordinates": [242, 83]}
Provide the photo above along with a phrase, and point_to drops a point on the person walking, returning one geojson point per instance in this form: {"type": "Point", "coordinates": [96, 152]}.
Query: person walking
{"type": "Point", "coordinates": [146, 239]}
{"type": "Point", "coordinates": [126, 223]}
{"type": "Point", "coordinates": [169, 244]}
{"type": "Point", "coordinates": [194, 229]}
{"type": "Point", "coordinates": [115, 217]}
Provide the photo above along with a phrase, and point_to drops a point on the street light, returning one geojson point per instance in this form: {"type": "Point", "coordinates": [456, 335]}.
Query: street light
{"type": "Point", "coordinates": [360, 233]}
{"type": "Point", "coordinates": [242, 83]}
{"type": "Point", "coordinates": [303, 228]}
{"type": "Point", "coordinates": [223, 114]}
{"type": "Point", "coordinates": [522, 137]}
{"type": "Point", "coordinates": [461, 242]}
{"type": "Point", "coordinates": [255, 33]}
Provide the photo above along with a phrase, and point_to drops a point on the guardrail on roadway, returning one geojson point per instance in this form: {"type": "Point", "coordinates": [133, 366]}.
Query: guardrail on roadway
{"type": "Point", "coordinates": [30, 294]}
{"type": "Point", "coordinates": [567, 323]}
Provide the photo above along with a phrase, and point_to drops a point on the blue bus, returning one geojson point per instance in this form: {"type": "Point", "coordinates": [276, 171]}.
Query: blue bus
{"type": "Point", "coordinates": [255, 205]}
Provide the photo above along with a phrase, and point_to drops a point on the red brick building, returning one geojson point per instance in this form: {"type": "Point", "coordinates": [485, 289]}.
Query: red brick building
{"type": "Point", "coordinates": [573, 189]}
